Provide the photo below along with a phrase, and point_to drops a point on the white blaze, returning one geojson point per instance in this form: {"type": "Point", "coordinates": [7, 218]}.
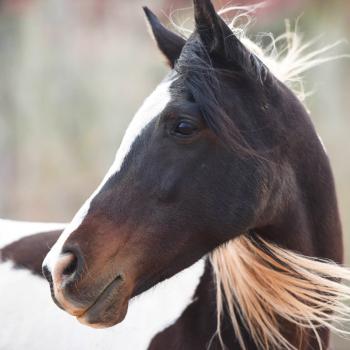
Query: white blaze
{"type": "Point", "coordinates": [150, 109]}
{"type": "Point", "coordinates": [322, 143]}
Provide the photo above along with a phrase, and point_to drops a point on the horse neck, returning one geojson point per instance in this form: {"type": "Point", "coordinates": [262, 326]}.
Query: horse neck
{"type": "Point", "coordinates": [306, 217]}
{"type": "Point", "coordinates": [308, 224]}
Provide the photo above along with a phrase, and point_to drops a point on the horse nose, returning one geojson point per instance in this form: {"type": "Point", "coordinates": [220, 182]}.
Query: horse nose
{"type": "Point", "coordinates": [67, 267]}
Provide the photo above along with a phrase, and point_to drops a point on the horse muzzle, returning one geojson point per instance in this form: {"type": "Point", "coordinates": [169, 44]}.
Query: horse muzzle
{"type": "Point", "coordinates": [95, 301]}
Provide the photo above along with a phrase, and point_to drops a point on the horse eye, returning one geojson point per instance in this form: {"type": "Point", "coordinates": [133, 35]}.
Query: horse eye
{"type": "Point", "coordinates": [185, 128]}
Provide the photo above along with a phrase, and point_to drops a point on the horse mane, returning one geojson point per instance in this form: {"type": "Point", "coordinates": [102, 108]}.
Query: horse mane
{"type": "Point", "coordinates": [259, 283]}
{"type": "Point", "coordinates": [287, 56]}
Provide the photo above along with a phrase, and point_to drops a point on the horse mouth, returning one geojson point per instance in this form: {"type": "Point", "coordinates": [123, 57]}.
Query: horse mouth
{"type": "Point", "coordinates": [109, 308]}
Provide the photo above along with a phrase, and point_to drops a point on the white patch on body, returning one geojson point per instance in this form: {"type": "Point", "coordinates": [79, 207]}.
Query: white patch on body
{"type": "Point", "coordinates": [150, 109]}
{"type": "Point", "coordinates": [30, 320]}
{"type": "Point", "coordinates": [11, 231]}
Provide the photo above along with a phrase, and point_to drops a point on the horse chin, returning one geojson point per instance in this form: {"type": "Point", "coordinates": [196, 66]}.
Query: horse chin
{"type": "Point", "coordinates": [109, 309]}
{"type": "Point", "coordinates": [106, 319]}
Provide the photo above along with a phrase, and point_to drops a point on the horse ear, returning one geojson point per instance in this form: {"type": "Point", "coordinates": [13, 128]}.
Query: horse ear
{"type": "Point", "coordinates": [169, 43]}
{"type": "Point", "coordinates": [209, 26]}
{"type": "Point", "coordinates": [218, 38]}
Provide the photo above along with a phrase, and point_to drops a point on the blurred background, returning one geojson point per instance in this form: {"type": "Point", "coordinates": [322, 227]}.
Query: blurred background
{"type": "Point", "coordinates": [73, 73]}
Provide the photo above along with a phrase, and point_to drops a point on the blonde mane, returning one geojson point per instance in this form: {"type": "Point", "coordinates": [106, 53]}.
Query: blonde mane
{"type": "Point", "coordinates": [263, 283]}
{"type": "Point", "coordinates": [259, 283]}
{"type": "Point", "coordinates": [287, 56]}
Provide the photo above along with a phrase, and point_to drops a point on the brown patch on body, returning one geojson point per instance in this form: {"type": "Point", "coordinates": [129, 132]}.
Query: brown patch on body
{"type": "Point", "coordinates": [29, 252]}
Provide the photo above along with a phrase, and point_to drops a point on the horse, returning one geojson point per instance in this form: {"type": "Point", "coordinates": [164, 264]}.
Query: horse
{"type": "Point", "coordinates": [221, 186]}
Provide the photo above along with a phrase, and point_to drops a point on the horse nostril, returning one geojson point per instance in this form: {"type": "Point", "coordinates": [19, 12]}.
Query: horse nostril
{"type": "Point", "coordinates": [67, 267]}
{"type": "Point", "coordinates": [72, 266]}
